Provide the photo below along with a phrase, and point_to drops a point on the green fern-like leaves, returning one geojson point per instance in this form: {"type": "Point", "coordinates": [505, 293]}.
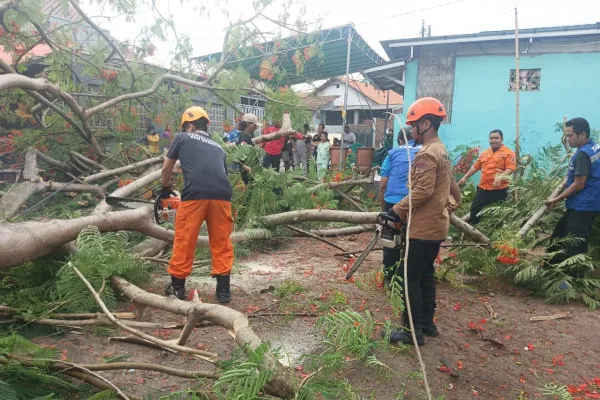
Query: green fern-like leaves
{"type": "Point", "coordinates": [349, 332]}
{"type": "Point", "coordinates": [245, 380]}
{"type": "Point", "coordinates": [98, 257]}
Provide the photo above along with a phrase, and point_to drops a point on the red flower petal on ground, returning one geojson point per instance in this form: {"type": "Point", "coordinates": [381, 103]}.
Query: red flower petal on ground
{"type": "Point", "coordinates": [522, 379]}
{"type": "Point", "coordinates": [530, 347]}
{"type": "Point", "coordinates": [457, 307]}
{"type": "Point", "coordinates": [557, 360]}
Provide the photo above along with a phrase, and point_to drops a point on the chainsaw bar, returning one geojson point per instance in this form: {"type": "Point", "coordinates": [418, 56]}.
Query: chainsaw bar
{"type": "Point", "coordinates": [123, 202]}
{"type": "Point", "coordinates": [363, 255]}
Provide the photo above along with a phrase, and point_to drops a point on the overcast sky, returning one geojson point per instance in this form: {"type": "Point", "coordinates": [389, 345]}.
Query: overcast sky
{"type": "Point", "coordinates": [375, 20]}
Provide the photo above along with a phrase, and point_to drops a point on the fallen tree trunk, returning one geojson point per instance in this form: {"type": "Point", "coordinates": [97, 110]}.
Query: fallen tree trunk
{"type": "Point", "coordinates": [118, 171]}
{"type": "Point", "coordinates": [540, 211]}
{"type": "Point", "coordinates": [235, 322]}
{"type": "Point", "coordinates": [25, 241]}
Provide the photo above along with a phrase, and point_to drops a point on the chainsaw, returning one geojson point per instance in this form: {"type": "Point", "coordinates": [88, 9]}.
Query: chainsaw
{"type": "Point", "coordinates": [164, 209]}
{"type": "Point", "coordinates": [389, 232]}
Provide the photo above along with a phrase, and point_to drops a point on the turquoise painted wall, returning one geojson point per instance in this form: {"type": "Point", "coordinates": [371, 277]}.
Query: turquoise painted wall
{"type": "Point", "coordinates": [570, 83]}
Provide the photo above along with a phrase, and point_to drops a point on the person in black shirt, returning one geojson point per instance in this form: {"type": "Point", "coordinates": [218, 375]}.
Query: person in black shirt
{"type": "Point", "coordinates": [206, 197]}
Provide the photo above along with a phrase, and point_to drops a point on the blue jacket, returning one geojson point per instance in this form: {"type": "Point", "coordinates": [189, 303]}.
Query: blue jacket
{"type": "Point", "coordinates": [395, 168]}
{"type": "Point", "coordinates": [587, 199]}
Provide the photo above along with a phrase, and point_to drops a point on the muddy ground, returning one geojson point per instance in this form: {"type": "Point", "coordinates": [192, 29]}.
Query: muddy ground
{"type": "Point", "coordinates": [565, 351]}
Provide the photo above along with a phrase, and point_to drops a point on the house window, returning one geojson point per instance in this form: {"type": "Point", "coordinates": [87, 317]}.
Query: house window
{"type": "Point", "coordinates": [252, 101]}
{"type": "Point", "coordinates": [529, 80]}
{"type": "Point", "coordinates": [216, 112]}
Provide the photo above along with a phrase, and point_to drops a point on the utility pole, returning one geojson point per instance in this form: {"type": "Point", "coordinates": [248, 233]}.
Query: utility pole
{"type": "Point", "coordinates": [423, 28]}
{"type": "Point", "coordinates": [345, 110]}
{"type": "Point", "coordinates": [517, 89]}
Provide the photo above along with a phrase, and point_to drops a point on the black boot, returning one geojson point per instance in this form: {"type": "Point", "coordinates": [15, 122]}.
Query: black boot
{"type": "Point", "coordinates": [430, 330]}
{"type": "Point", "coordinates": [222, 293]}
{"type": "Point", "coordinates": [176, 288]}
{"type": "Point", "coordinates": [427, 325]}
{"type": "Point", "coordinates": [403, 336]}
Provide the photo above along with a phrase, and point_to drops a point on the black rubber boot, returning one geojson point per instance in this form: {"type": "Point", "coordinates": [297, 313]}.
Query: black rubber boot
{"type": "Point", "coordinates": [223, 293]}
{"type": "Point", "coordinates": [403, 336]}
{"type": "Point", "coordinates": [176, 288]}
{"type": "Point", "coordinates": [427, 325]}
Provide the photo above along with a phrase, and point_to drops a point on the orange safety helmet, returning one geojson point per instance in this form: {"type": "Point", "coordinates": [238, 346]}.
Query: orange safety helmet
{"type": "Point", "coordinates": [194, 113]}
{"type": "Point", "coordinates": [425, 106]}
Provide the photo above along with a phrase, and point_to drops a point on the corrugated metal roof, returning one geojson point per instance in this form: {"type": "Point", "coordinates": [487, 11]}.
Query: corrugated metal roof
{"type": "Point", "coordinates": [545, 32]}
{"type": "Point", "coordinates": [333, 46]}
{"type": "Point", "coordinates": [313, 102]}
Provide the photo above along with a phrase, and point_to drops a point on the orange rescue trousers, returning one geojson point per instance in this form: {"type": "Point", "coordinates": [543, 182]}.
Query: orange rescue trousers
{"type": "Point", "coordinates": [191, 214]}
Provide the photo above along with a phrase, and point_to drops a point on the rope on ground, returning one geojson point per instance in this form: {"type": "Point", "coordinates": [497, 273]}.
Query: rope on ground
{"type": "Point", "coordinates": [410, 319]}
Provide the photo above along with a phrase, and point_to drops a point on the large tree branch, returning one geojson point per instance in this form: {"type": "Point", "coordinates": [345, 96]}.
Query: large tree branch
{"type": "Point", "coordinates": [234, 321]}
{"type": "Point", "coordinates": [117, 171]}
{"type": "Point", "coordinates": [350, 182]}
{"type": "Point", "coordinates": [540, 211]}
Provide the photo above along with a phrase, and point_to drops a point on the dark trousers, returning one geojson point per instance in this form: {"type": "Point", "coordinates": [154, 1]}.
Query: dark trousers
{"type": "Point", "coordinates": [484, 198]}
{"type": "Point", "coordinates": [391, 257]}
{"type": "Point", "coordinates": [421, 282]}
{"type": "Point", "coordinates": [575, 223]}
{"type": "Point", "coordinates": [272, 161]}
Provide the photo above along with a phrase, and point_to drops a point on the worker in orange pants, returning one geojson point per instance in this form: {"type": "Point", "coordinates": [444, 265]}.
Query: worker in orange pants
{"type": "Point", "coordinates": [206, 197]}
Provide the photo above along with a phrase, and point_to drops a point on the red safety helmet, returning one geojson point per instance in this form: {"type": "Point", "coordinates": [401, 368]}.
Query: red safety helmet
{"type": "Point", "coordinates": [425, 106]}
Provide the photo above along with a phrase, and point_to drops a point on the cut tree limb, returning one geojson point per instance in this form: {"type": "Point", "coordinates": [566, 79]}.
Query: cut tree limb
{"type": "Point", "coordinates": [305, 233]}
{"type": "Point", "coordinates": [205, 354]}
{"type": "Point", "coordinates": [118, 171]}
{"type": "Point", "coordinates": [468, 230]}
{"type": "Point", "coordinates": [540, 211]}
{"type": "Point", "coordinates": [237, 323]}
{"type": "Point", "coordinates": [350, 200]}
{"type": "Point", "coordinates": [351, 182]}
{"type": "Point", "coordinates": [349, 230]}
{"type": "Point", "coordinates": [294, 217]}
{"type": "Point", "coordinates": [550, 317]}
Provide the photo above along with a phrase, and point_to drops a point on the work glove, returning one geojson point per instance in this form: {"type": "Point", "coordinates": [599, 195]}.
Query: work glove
{"type": "Point", "coordinates": [166, 192]}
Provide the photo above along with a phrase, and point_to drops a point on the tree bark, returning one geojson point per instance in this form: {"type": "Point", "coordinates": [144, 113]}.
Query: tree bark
{"type": "Point", "coordinates": [468, 230]}
{"type": "Point", "coordinates": [118, 171]}
{"type": "Point", "coordinates": [25, 241]}
{"type": "Point", "coordinates": [235, 322]}
{"type": "Point", "coordinates": [540, 211]}
{"type": "Point", "coordinates": [294, 217]}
